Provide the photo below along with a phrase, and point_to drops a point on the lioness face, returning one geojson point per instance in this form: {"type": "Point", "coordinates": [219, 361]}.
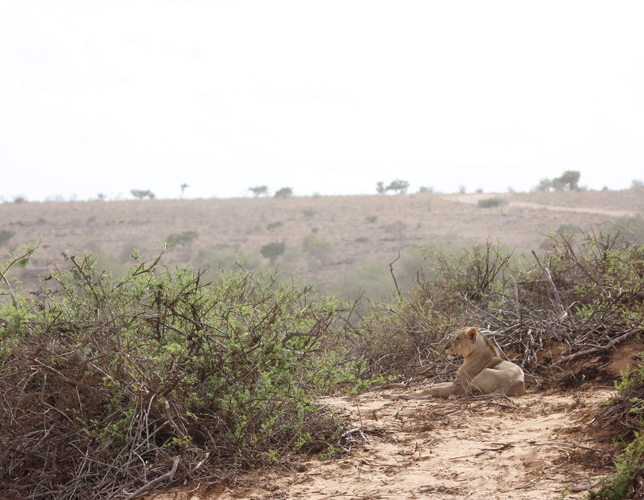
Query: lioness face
{"type": "Point", "coordinates": [460, 343]}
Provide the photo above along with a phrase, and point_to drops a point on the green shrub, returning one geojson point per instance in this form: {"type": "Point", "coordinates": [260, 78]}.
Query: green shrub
{"type": "Point", "coordinates": [160, 368]}
{"type": "Point", "coordinates": [492, 202]}
{"type": "Point", "coordinates": [620, 485]}
{"type": "Point", "coordinates": [308, 212]}
{"type": "Point", "coordinates": [371, 218]}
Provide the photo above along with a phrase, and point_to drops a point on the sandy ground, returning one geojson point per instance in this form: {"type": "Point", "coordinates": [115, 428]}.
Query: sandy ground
{"type": "Point", "coordinates": [530, 447]}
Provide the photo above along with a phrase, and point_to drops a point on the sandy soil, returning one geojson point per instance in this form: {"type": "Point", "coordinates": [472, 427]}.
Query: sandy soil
{"type": "Point", "coordinates": [530, 447]}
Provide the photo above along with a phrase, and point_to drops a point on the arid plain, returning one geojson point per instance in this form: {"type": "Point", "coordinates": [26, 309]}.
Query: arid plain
{"type": "Point", "coordinates": [351, 234]}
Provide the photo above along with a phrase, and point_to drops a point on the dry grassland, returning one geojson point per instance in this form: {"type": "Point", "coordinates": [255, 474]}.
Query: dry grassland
{"type": "Point", "coordinates": [358, 229]}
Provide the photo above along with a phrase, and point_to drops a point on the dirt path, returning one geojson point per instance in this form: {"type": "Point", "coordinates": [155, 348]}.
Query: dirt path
{"type": "Point", "coordinates": [473, 199]}
{"type": "Point", "coordinates": [530, 447]}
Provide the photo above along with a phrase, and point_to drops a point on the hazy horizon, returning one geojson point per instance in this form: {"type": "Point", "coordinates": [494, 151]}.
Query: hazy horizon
{"type": "Point", "coordinates": [324, 98]}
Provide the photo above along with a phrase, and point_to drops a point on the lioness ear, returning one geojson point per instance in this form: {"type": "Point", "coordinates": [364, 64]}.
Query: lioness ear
{"type": "Point", "coordinates": [471, 333]}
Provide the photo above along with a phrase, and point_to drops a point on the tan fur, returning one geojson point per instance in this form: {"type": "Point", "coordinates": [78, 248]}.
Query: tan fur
{"type": "Point", "coordinates": [483, 371]}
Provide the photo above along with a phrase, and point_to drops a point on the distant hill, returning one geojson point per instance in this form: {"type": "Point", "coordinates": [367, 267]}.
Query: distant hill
{"type": "Point", "coordinates": [339, 242]}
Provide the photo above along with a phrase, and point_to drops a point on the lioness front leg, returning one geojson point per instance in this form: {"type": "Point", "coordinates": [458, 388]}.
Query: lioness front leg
{"type": "Point", "coordinates": [443, 390]}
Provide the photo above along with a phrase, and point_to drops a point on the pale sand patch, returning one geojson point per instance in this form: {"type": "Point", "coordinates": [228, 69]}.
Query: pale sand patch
{"type": "Point", "coordinates": [530, 447]}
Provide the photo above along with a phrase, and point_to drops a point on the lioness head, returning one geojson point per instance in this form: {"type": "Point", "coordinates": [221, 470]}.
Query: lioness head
{"type": "Point", "coordinates": [461, 342]}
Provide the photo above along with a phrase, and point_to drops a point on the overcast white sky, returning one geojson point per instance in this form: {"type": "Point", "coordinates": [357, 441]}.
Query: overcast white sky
{"type": "Point", "coordinates": [320, 96]}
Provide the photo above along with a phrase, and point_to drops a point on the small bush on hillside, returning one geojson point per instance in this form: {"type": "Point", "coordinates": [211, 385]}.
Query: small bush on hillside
{"type": "Point", "coordinates": [41, 220]}
{"type": "Point", "coordinates": [285, 192]}
{"type": "Point", "coordinates": [632, 226]}
{"type": "Point", "coordinates": [318, 247]}
{"type": "Point", "coordinates": [6, 235]}
{"type": "Point", "coordinates": [371, 218]}
{"type": "Point", "coordinates": [637, 184]}
{"type": "Point", "coordinates": [492, 202]}
{"type": "Point", "coordinates": [273, 250]}
{"type": "Point", "coordinates": [274, 225]}
{"type": "Point", "coordinates": [312, 241]}
{"type": "Point", "coordinates": [308, 212]}
{"type": "Point", "coordinates": [185, 238]}
{"type": "Point", "coordinates": [426, 189]}
{"type": "Point", "coordinates": [370, 279]}
{"type": "Point", "coordinates": [20, 199]}
{"type": "Point", "coordinates": [397, 228]}
{"type": "Point", "coordinates": [221, 260]}
{"type": "Point", "coordinates": [569, 229]}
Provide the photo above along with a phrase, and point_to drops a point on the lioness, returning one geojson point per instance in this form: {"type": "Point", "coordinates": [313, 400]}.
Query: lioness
{"type": "Point", "coordinates": [483, 371]}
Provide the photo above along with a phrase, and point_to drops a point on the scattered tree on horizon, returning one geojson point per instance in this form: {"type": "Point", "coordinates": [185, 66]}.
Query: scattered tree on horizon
{"type": "Point", "coordinates": [380, 188]}
{"type": "Point", "coordinates": [284, 192]}
{"type": "Point", "coordinates": [398, 186]}
{"type": "Point", "coordinates": [569, 181]}
{"type": "Point", "coordinates": [259, 190]}
{"type": "Point", "coordinates": [142, 193]}
{"type": "Point", "coordinates": [183, 188]}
